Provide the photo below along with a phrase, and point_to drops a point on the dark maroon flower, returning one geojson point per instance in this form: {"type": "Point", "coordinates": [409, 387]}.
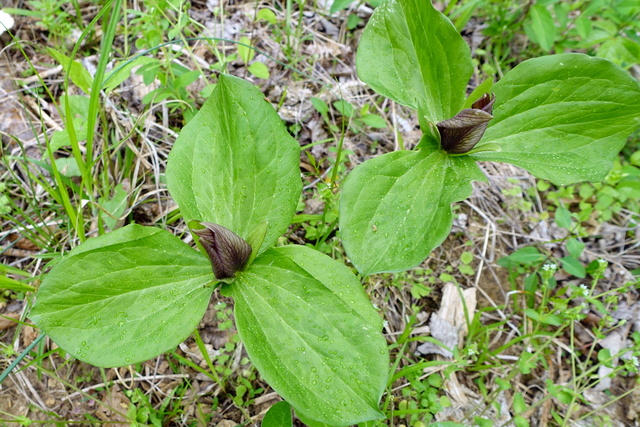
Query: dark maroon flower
{"type": "Point", "coordinates": [227, 251]}
{"type": "Point", "coordinates": [459, 134]}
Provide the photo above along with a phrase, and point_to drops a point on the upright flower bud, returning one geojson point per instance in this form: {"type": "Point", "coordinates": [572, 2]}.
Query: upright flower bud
{"type": "Point", "coordinates": [459, 134]}
{"type": "Point", "coordinates": [227, 251]}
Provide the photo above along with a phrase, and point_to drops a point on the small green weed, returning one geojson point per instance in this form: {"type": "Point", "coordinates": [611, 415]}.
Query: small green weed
{"type": "Point", "coordinates": [618, 192]}
{"type": "Point", "coordinates": [423, 399]}
{"type": "Point", "coordinates": [605, 28]}
{"type": "Point", "coordinates": [550, 314]}
{"type": "Point", "coordinates": [59, 18]}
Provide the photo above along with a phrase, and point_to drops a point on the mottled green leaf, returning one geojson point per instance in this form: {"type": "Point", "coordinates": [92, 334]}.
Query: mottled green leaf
{"type": "Point", "coordinates": [413, 54]}
{"type": "Point", "coordinates": [313, 334]}
{"type": "Point", "coordinates": [396, 208]}
{"type": "Point", "coordinates": [563, 117]}
{"type": "Point", "coordinates": [124, 297]}
{"type": "Point", "coordinates": [373, 121]}
{"type": "Point", "coordinates": [234, 164]}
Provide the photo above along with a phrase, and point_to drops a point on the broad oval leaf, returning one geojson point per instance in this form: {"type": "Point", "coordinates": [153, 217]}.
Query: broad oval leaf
{"type": "Point", "coordinates": [124, 297]}
{"type": "Point", "coordinates": [396, 208]}
{"type": "Point", "coordinates": [234, 164]}
{"type": "Point", "coordinates": [413, 54]}
{"type": "Point", "coordinates": [313, 334]}
{"type": "Point", "coordinates": [279, 415]}
{"type": "Point", "coordinates": [564, 118]}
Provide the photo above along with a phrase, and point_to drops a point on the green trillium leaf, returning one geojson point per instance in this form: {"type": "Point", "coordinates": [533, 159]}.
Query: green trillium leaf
{"type": "Point", "coordinates": [124, 297]}
{"type": "Point", "coordinates": [313, 334]}
{"type": "Point", "coordinates": [234, 164]}
{"type": "Point", "coordinates": [396, 208]}
{"type": "Point", "coordinates": [563, 117]}
{"type": "Point", "coordinates": [413, 54]}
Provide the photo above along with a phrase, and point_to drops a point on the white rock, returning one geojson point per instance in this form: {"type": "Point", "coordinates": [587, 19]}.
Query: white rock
{"type": "Point", "coordinates": [6, 21]}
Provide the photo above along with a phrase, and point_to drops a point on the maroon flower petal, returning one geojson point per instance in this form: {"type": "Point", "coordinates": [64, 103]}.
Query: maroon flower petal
{"type": "Point", "coordinates": [485, 103]}
{"type": "Point", "coordinates": [227, 251]}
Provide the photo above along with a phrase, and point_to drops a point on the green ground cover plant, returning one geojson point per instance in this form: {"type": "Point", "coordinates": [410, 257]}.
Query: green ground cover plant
{"type": "Point", "coordinates": [142, 291]}
{"type": "Point", "coordinates": [563, 117]}
{"type": "Point", "coordinates": [304, 319]}
{"type": "Point", "coordinates": [604, 28]}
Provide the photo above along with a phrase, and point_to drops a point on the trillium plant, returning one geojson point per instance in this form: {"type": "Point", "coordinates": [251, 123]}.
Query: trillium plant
{"type": "Point", "coordinates": [305, 321]}
{"type": "Point", "coordinates": [564, 118]}
{"type": "Point", "coordinates": [304, 318]}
